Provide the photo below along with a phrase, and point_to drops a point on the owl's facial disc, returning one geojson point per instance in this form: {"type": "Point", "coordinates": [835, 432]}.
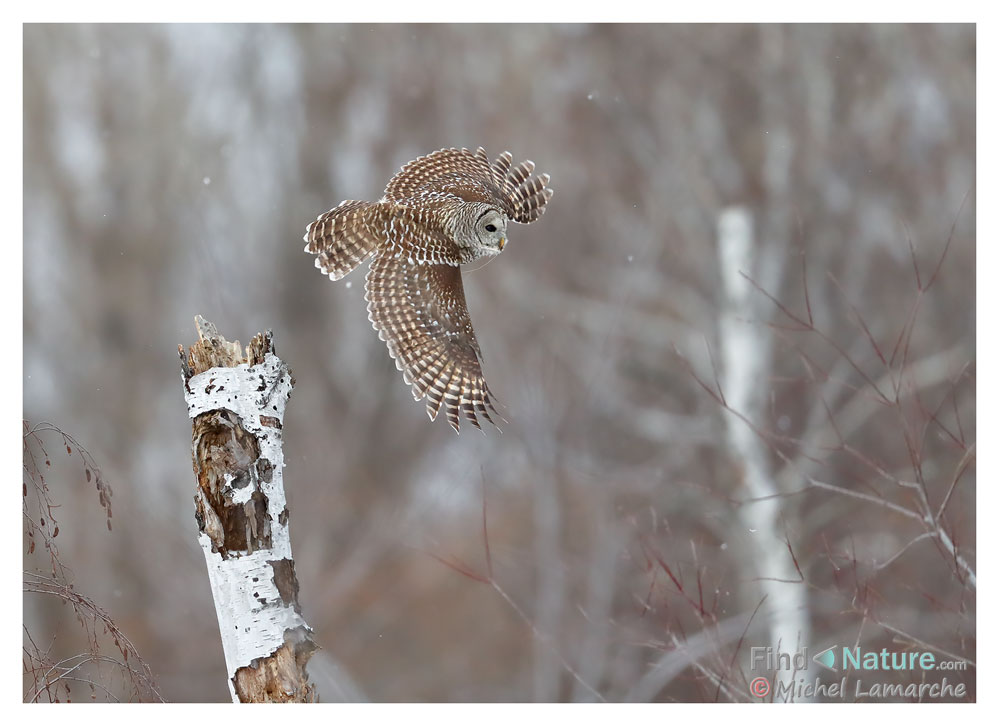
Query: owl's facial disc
{"type": "Point", "coordinates": [491, 231]}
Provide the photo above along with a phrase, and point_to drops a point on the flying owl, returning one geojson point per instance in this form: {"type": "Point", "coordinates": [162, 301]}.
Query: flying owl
{"type": "Point", "coordinates": [439, 212]}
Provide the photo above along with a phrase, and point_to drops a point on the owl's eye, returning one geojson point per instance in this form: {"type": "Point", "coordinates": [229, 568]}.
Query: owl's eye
{"type": "Point", "coordinates": [490, 228]}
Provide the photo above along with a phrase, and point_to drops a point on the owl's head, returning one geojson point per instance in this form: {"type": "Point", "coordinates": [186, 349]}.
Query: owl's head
{"type": "Point", "coordinates": [486, 235]}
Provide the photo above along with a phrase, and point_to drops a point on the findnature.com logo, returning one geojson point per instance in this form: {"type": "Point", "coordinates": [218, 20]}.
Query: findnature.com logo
{"type": "Point", "coordinates": [852, 659]}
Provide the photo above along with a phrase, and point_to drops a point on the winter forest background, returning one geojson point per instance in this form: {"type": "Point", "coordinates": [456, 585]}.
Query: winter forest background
{"type": "Point", "coordinates": [697, 461]}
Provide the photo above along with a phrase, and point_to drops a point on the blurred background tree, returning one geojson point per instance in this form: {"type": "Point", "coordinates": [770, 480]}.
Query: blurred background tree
{"type": "Point", "coordinates": [624, 560]}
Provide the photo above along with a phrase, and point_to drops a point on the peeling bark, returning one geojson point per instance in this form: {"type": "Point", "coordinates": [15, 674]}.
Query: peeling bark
{"type": "Point", "coordinates": [237, 403]}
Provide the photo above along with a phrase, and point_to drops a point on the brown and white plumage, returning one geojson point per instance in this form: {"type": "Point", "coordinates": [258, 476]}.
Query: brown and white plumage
{"type": "Point", "coordinates": [439, 212]}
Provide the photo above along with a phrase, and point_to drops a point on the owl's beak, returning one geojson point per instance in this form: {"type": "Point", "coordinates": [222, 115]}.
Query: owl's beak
{"type": "Point", "coordinates": [502, 243]}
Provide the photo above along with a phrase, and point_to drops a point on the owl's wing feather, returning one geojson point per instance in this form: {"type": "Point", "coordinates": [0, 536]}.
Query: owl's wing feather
{"type": "Point", "coordinates": [471, 177]}
{"type": "Point", "coordinates": [345, 236]}
{"type": "Point", "coordinates": [419, 311]}
{"type": "Point", "coordinates": [457, 172]}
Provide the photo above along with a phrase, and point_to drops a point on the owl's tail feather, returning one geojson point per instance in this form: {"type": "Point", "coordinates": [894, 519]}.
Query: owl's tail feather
{"type": "Point", "coordinates": [344, 237]}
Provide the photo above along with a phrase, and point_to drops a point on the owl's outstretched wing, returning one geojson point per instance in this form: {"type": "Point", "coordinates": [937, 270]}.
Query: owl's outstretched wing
{"type": "Point", "coordinates": [469, 176]}
{"type": "Point", "coordinates": [344, 237]}
{"type": "Point", "coordinates": [351, 232]}
{"type": "Point", "coordinates": [419, 311]}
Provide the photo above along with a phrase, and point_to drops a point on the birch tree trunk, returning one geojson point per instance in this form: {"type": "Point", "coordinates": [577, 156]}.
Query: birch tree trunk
{"type": "Point", "coordinates": [237, 402]}
{"type": "Point", "coordinates": [746, 367]}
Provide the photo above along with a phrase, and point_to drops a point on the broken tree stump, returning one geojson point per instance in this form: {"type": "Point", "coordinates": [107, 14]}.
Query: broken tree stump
{"type": "Point", "coordinates": [236, 400]}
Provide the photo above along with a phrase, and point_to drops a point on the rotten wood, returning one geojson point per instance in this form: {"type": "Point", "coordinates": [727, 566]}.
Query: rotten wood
{"type": "Point", "coordinates": [236, 399]}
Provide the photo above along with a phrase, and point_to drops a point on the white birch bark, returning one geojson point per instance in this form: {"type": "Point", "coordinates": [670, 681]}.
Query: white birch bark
{"type": "Point", "coordinates": [746, 363]}
{"type": "Point", "coordinates": [238, 413]}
